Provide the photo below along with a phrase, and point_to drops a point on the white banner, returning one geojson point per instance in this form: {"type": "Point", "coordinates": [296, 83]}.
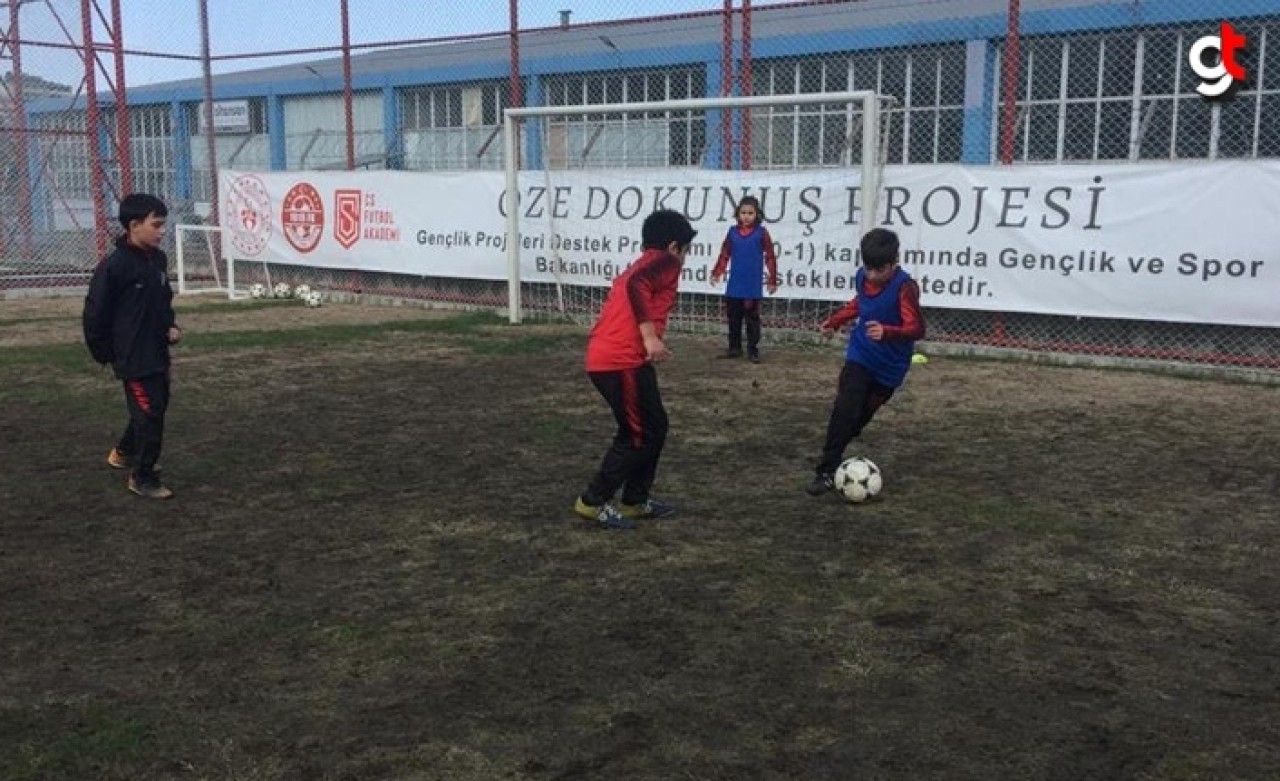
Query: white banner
{"type": "Point", "coordinates": [1175, 242]}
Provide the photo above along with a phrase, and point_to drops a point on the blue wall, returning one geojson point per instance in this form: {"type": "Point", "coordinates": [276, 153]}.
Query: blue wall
{"type": "Point", "coordinates": [980, 34]}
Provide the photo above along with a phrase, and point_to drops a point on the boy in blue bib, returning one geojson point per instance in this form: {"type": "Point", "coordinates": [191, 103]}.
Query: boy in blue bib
{"type": "Point", "coordinates": [886, 322]}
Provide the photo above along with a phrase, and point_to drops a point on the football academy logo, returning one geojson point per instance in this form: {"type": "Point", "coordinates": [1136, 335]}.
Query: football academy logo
{"type": "Point", "coordinates": [302, 217]}
{"type": "Point", "coordinates": [346, 219]}
{"type": "Point", "coordinates": [249, 214]}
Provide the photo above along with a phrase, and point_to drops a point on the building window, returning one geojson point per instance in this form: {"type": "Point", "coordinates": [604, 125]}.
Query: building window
{"type": "Point", "coordinates": [924, 124]}
{"type": "Point", "coordinates": [454, 127]}
{"type": "Point", "coordinates": [630, 139]}
{"type": "Point", "coordinates": [1130, 95]}
{"type": "Point", "coordinates": [240, 150]}
{"type": "Point", "coordinates": [151, 149]}
{"type": "Point", "coordinates": [64, 148]}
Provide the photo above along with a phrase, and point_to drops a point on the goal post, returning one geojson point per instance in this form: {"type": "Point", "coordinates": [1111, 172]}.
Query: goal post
{"type": "Point", "coordinates": [205, 264]}
{"type": "Point", "coordinates": [202, 263]}
{"type": "Point", "coordinates": [724, 145]}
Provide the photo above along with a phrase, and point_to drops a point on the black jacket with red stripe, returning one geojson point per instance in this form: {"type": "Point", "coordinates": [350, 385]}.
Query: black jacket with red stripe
{"type": "Point", "coordinates": [128, 312]}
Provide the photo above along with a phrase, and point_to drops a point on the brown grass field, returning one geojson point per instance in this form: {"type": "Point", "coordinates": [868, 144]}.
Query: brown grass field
{"type": "Point", "coordinates": [370, 570]}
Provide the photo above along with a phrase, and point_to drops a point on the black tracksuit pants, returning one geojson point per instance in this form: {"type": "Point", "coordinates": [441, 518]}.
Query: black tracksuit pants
{"type": "Point", "coordinates": [858, 396]}
{"type": "Point", "coordinates": [631, 462]}
{"type": "Point", "coordinates": [147, 399]}
{"type": "Point", "coordinates": [738, 311]}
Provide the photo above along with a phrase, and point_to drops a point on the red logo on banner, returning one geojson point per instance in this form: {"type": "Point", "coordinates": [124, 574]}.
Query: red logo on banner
{"type": "Point", "coordinates": [302, 217]}
{"type": "Point", "coordinates": [346, 222]}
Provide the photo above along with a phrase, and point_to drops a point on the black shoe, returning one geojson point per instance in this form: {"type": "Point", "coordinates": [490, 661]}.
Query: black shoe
{"type": "Point", "coordinates": [647, 510]}
{"type": "Point", "coordinates": [150, 489]}
{"type": "Point", "coordinates": [754, 356]}
{"type": "Point", "coordinates": [822, 483]}
{"type": "Point", "coordinates": [730, 354]}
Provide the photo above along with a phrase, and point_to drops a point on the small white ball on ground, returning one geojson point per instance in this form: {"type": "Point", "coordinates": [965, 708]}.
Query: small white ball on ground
{"type": "Point", "coordinates": [858, 479]}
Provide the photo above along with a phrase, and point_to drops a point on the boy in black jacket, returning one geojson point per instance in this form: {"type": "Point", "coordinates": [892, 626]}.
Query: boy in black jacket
{"type": "Point", "coordinates": [129, 323]}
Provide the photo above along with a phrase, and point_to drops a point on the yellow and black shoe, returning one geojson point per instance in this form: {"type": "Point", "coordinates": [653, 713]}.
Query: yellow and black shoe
{"type": "Point", "coordinates": [603, 514]}
{"type": "Point", "coordinates": [117, 459]}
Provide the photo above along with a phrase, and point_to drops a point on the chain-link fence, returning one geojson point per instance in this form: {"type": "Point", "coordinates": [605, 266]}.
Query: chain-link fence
{"type": "Point", "coordinates": [979, 88]}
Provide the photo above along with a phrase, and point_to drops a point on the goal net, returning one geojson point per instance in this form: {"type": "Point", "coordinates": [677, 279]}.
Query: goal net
{"type": "Point", "coordinates": [201, 264]}
{"type": "Point", "coordinates": [205, 264]}
{"type": "Point", "coordinates": [588, 175]}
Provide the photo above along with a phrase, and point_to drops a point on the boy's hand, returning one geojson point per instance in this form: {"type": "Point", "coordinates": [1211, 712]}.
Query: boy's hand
{"type": "Point", "coordinates": [655, 350]}
{"type": "Point", "coordinates": [772, 288]}
{"type": "Point", "coordinates": [715, 278]}
{"type": "Point", "coordinates": [875, 331]}
{"type": "Point", "coordinates": [826, 331]}
{"type": "Point", "coordinates": [175, 334]}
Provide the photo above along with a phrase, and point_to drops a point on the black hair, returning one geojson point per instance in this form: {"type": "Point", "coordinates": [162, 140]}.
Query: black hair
{"type": "Point", "coordinates": [750, 200]}
{"type": "Point", "coordinates": [879, 248]}
{"type": "Point", "coordinates": [140, 206]}
{"type": "Point", "coordinates": [665, 226]}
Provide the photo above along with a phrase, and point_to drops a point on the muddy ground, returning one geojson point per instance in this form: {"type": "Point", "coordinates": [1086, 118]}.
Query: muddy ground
{"type": "Point", "coordinates": [370, 570]}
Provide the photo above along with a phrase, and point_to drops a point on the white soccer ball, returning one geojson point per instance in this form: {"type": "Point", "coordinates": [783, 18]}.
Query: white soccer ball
{"type": "Point", "coordinates": [313, 298]}
{"type": "Point", "coordinates": [302, 291]}
{"type": "Point", "coordinates": [282, 290]}
{"type": "Point", "coordinates": [257, 291]}
{"type": "Point", "coordinates": [858, 479]}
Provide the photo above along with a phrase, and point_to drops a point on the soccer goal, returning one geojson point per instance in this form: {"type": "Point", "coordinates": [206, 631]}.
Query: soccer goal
{"type": "Point", "coordinates": [203, 266]}
{"type": "Point", "coordinates": [585, 176]}
{"type": "Point", "coordinates": [206, 265]}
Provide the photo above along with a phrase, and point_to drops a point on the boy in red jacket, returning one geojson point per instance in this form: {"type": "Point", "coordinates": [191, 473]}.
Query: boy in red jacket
{"type": "Point", "coordinates": [622, 351]}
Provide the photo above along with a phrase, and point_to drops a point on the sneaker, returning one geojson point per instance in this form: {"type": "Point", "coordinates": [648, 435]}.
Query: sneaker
{"type": "Point", "coordinates": [149, 490]}
{"type": "Point", "coordinates": [603, 514]}
{"type": "Point", "coordinates": [117, 459]}
{"type": "Point", "coordinates": [647, 510]}
{"type": "Point", "coordinates": [730, 354]}
{"type": "Point", "coordinates": [822, 482]}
